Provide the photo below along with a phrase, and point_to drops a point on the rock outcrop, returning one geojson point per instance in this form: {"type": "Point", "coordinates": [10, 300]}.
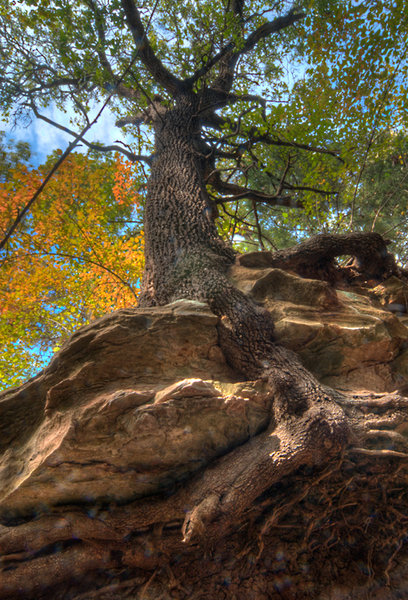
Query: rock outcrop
{"type": "Point", "coordinates": [101, 450]}
{"type": "Point", "coordinates": [344, 338]}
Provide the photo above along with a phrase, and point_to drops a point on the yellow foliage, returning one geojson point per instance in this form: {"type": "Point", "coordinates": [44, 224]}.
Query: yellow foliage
{"type": "Point", "coordinates": [78, 255]}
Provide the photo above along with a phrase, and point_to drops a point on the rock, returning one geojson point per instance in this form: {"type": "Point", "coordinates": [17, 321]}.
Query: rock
{"type": "Point", "coordinates": [343, 338]}
{"type": "Point", "coordinates": [271, 285]}
{"type": "Point", "coordinates": [392, 293]}
{"type": "Point", "coordinates": [189, 388]}
{"type": "Point", "coordinates": [94, 427]}
{"type": "Point", "coordinates": [140, 401]}
{"type": "Point", "coordinates": [255, 259]}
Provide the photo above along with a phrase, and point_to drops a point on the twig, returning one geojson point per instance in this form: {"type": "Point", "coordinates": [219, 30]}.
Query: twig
{"type": "Point", "coordinates": [258, 227]}
{"type": "Point", "coordinates": [69, 149]}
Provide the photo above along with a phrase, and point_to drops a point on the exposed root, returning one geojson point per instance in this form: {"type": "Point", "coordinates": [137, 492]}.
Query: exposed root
{"type": "Point", "coordinates": [232, 484]}
{"type": "Point", "coordinates": [146, 586]}
{"type": "Point", "coordinates": [379, 453]}
{"type": "Point", "coordinates": [391, 561]}
{"type": "Point", "coordinates": [393, 436]}
{"type": "Point", "coordinates": [316, 258]}
{"type": "Point", "coordinates": [351, 512]}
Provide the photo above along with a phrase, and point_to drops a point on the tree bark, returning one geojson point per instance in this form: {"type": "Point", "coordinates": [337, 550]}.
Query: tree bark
{"type": "Point", "coordinates": [185, 258]}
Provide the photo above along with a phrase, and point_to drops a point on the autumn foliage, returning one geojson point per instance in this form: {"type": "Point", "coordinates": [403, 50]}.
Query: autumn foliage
{"type": "Point", "coordinates": [78, 255]}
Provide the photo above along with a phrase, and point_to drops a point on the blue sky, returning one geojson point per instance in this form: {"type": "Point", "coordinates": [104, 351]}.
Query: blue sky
{"type": "Point", "coordinates": [44, 138]}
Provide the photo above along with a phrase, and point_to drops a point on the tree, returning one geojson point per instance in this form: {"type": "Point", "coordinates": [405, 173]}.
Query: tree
{"type": "Point", "coordinates": [77, 255]}
{"type": "Point", "coordinates": [187, 70]}
{"type": "Point", "coordinates": [379, 200]}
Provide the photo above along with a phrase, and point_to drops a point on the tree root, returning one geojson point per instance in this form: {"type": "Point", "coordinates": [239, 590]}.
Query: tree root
{"type": "Point", "coordinates": [315, 258]}
{"type": "Point", "coordinates": [278, 484]}
{"type": "Point", "coordinates": [233, 484]}
{"type": "Point", "coordinates": [379, 453]}
{"type": "Point", "coordinates": [235, 481]}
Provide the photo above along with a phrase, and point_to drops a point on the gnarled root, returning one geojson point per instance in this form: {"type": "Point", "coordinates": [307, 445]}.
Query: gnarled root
{"type": "Point", "coordinates": [315, 257]}
{"type": "Point", "coordinates": [310, 435]}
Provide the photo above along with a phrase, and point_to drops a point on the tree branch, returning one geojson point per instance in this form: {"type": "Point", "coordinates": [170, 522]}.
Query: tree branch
{"type": "Point", "coordinates": [237, 8]}
{"type": "Point", "coordinates": [258, 226]}
{"type": "Point", "coordinates": [306, 188]}
{"type": "Point", "coordinates": [145, 52]}
{"type": "Point", "coordinates": [59, 82]}
{"type": "Point", "coordinates": [223, 82]}
{"type": "Point", "coordinates": [80, 84]}
{"type": "Point", "coordinates": [112, 148]}
{"type": "Point", "coordinates": [211, 119]}
{"type": "Point", "coordinates": [136, 119]}
{"type": "Point", "coordinates": [206, 68]}
{"type": "Point", "coordinates": [21, 213]}
{"type": "Point", "coordinates": [267, 139]}
{"type": "Point", "coordinates": [121, 89]}
{"type": "Point", "coordinates": [268, 28]}
{"type": "Point", "coordinates": [239, 192]}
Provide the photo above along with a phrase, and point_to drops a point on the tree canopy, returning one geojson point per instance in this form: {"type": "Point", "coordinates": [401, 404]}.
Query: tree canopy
{"type": "Point", "coordinates": [302, 115]}
{"type": "Point", "coordinates": [332, 84]}
{"type": "Point", "coordinates": [78, 255]}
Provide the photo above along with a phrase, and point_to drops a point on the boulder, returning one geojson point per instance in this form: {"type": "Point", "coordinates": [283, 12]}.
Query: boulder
{"type": "Point", "coordinates": [141, 401]}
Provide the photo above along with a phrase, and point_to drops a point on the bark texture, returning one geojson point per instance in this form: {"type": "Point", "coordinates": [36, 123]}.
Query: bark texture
{"type": "Point", "coordinates": [185, 258]}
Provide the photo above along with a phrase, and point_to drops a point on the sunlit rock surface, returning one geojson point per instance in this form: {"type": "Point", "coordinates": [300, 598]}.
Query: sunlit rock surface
{"type": "Point", "coordinates": [94, 425]}
{"type": "Point", "coordinates": [143, 398]}
{"type": "Point", "coordinates": [347, 340]}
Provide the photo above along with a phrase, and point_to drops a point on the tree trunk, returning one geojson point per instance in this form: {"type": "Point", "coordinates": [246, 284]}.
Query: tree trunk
{"type": "Point", "coordinates": [317, 481]}
{"type": "Point", "coordinates": [185, 258]}
{"type": "Point", "coordinates": [182, 247]}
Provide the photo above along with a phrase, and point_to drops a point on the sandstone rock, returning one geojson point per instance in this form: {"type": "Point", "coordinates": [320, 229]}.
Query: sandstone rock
{"type": "Point", "coordinates": [109, 429]}
{"type": "Point", "coordinates": [341, 336]}
{"type": "Point", "coordinates": [392, 292]}
{"type": "Point", "coordinates": [140, 401]}
{"type": "Point", "coordinates": [276, 285]}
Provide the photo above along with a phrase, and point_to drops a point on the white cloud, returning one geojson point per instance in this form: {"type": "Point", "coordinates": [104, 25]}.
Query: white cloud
{"type": "Point", "coordinates": [44, 138]}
